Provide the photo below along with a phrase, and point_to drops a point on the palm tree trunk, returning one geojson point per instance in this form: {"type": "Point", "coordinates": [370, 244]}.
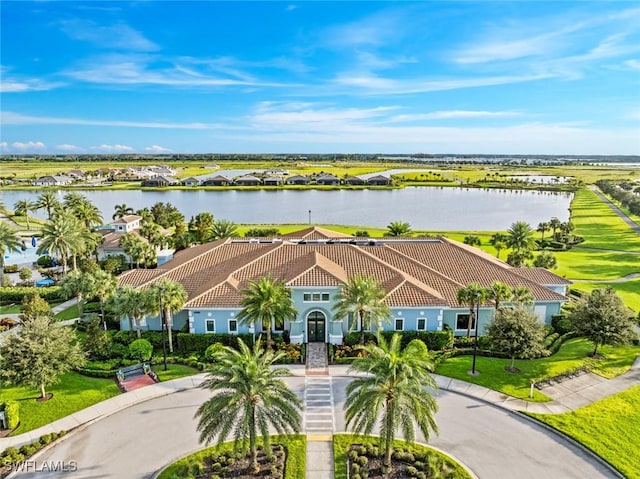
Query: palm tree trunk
{"type": "Point", "coordinates": [2, 268]}
{"type": "Point", "coordinates": [138, 331]}
{"type": "Point", "coordinates": [131, 322]}
{"type": "Point", "coordinates": [388, 432]}
{"type": "Point", "coordinates": [79, 304]}
{"type": "Point", "coordinates": [167, 319]}
{"type": "Point", "coordinates": [74, 261]}
{"type": "Point", "coordinates": [470, 321]}
{"type": "Point", "coordinates": [252, 440]}
{"type": "Point", "coordinates": [361, 314]}
{"type": "Point", "coordinates": [269, 335]}
{"type": "Point", "coordinates": [64, 264]}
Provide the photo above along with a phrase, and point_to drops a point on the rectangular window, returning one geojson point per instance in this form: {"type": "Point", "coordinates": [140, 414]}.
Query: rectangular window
{"type": "Point", "coordinates": [315, 297]}
{"type": "Point", "coordinates": [399, 324]}
{"type": "Point", "coordinates": [422, 324]}
{"type": "Point", "coordinates": [278, 324]}
{"type": "Point", "coordinates": [233, 326]}
{"type": "Point", "coordinates": [210, 325]}
{"type": "Point", "coordinates": [462, 322]}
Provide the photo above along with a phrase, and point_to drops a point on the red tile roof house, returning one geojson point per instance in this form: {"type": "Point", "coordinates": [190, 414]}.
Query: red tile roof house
{"type": "Point", "coordinates": [421, 278]}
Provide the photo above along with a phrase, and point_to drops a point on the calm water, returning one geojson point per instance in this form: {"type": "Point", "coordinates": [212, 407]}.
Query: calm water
{"type": "Point", "coordinates": [423, 207]}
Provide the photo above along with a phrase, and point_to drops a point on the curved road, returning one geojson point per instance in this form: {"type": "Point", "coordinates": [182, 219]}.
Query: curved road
{"type": "Point", "coordinates": [138, 441]}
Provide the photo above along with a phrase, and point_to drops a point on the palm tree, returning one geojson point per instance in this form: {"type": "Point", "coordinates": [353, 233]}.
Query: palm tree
{"type": "Point", "coordinates": [48, 201]}
{"type": "Point", "coordinates": [472, 295]}
{"type": "Point", "coordinates": [223, 229]}
{"type": "Point", "coordinates": [499, 242]}
{"type": "Point", "coordinates": [167, 297]}
{"type": "Point", "coordinates": [105, 286]}
{"type": "Point", "coordinates": [523, 296]}
{"type": "Point", "coordinates": [266, 301]}
{"type": "Point", "coordinates": [499, 292]}
{"type": "Point", "coordinates": [23, 207]}
{"type": "Point", "coordinates": [137, 249]}
{"type": "Point", "coordinates": [62, 236]}
{"type": "Point", "coordinates": [398, 228]}
{"type": "Point", "coordinates": [364, 296]}
{"type": "Point", "coordinates": [396, 391]}
{"type": "Point", "coordinates": [122, 211]}
{"type": "Point", "coordinates": [543, 228]}
{"type": "Point", "coordinates": [130, 302]}
{"type": "Point", "coordinates": [520, 237]}
{"type": "Point", "coordinates": [73, 199]}
{"type": "Point", "coordinates": [88, 214]}
{"type": "Point", "coordinates": [554, 224]}
{"type": "Point", "coordinates": [9, 242]}
{"type": "Point", "coordinates": [78, 284]}
{"type": "Point", "coordinates": [249, 397]}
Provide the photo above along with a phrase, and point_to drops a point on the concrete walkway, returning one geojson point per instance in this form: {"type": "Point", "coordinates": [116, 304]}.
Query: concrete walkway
{"type": "Point", "coordinates": [567, 396]}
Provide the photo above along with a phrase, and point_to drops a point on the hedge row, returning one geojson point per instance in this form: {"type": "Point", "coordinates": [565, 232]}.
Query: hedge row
{"type": "Point", "coordinates": [13, 455]}
{"type": "Point", "coordinates": [14, 294]}
{"type": "Point", "coordinates": [434, 340]}
{"type": "Point", "coordinates": [11, 413]}
{"type": "Point", "coordinates": [188, 343]}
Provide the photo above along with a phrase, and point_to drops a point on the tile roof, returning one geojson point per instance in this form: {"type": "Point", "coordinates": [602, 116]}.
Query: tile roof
{"type": "Point", "coordinates": [413, 272]}
{"type": "Point", "coordinates": [541, 276]}
{"type": "Point", "coordinates": [126, 219]}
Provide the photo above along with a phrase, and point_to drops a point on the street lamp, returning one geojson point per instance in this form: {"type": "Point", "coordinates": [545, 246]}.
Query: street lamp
{"type": "Point", "coordinates": [475, 336]}
{"type": "Point", "coordinates": [164, 341]}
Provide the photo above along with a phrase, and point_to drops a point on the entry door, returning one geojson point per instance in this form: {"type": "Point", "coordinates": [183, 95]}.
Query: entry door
{"type": "Point", "coordinates": [316, 327]}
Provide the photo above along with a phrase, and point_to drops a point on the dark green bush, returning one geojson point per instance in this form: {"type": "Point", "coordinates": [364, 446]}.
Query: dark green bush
{"type": "Point", "coordinates": [141, 350]}
{"type": "Point", "coordinates": [12, 413]}
{"type": "Point", "coordinates": [15, 294]}
{"type": "Point", "coordinates": [564, 326]}
{"type": "Point", "coordinates": [11, 268]}
{"type": "Point", "coordinates": [188, 343]}
{"type": "Point", "coordinates": [45, 261]}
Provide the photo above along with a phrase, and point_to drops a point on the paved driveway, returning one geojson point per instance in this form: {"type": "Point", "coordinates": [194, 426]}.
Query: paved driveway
{"type": "Point", "coordinates": [135, 442]}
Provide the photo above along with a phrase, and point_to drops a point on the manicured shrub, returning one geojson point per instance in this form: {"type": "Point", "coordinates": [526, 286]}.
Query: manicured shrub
{"type": "Point", "coordinates": [45, 439]}
{"type": "Point", "coordinates": [12, 413]}
{"type": "Point", "coordinates": [141, 350]}
{"type": "Point", "coordinates": [188, 343]}
{"type": "Point", "coordinates": [11, 268]}
{"type": "Point", "coordinates": [564, 326]}
{"type": "Point", "coordinates": [212, 350]}
{"type": "Point", "coordinates": [15, 294]}
{"type": "Point", "coordinates": [124, 337]}
{"type": "Point", "coordinates": [45, 261]}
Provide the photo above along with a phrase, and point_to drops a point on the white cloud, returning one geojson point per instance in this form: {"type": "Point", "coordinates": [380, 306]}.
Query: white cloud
{"type": "Point", "coordinates": [454, 114]}
{"type": "Point", "coordinates": [12, 118]}
{"type": "Point", "coordinates": [69, 148]}
{"type": "Point", "coordinates": [290, 8]}
{"type": "Point", "coordinates": [13, 84]}
{"type": "Point", "coordinates": [113, 148]}
{"type": "Point", "coordinates": [157, 149]}
{"type": "Point", "coordinates": [118, 36]}
{"type": "Point", "coordinates": [28, 146]}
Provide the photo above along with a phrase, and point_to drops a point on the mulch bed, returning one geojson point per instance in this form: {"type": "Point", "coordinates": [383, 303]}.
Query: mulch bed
{"type": "Point", "coordinates": [238, 465]}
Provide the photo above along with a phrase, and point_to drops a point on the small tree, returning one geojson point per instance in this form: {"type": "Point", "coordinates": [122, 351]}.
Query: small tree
{"type": "Point", "coordinates": [97, 342]}
{"type": "Point", "coordinates": [140, 349]}
{"type": "Point", "coordinates": [25, 274]}
{"type": "Point", "coordinates": [39, 354]}
{"type": "Point", "coordinates": [518, 333]}
{"type": "Point", "coordinates": [603, 318]}
{"type": "Point", "coordinates": [545, 260]}
{"type": "Point", "coordinates": [472, 240]}
{"type": "Point", "coordinates": [33, 306]}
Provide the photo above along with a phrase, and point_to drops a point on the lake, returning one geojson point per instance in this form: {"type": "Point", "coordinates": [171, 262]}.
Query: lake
{"type": "Point", "coordinates": [427, 208]}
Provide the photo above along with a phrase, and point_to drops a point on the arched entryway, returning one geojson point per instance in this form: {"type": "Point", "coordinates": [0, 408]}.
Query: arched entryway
{"type": "Point", "coordinates": [316, 327]}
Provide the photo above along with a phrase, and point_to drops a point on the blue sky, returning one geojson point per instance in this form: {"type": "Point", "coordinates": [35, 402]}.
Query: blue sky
{"type": "Point", "coordinates": [319, 77]}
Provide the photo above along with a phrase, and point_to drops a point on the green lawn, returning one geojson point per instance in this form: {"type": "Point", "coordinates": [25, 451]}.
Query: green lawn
{"type": "Point", "coordinates": [69, 313]}
{"type": "Point", "coordinates": [599, 225]}
{"type": "Point", "coordinates": [609, 427]}
{"type": "Point", "coordinates": [572, 354]}
{"type": "Point", "coordinates": [295, 466]}
{"type": "Point", "coordinates": [342, 442]}
{"type": "Point", "coordinates": [10, 309]}
{"type": "Point", "coordinates": [73, 393]}
{"type": "Point", "coordinates": [629, 291]}
{"type": "Point", "coordinates": [589, 264]}
{"type": "Point", "coordinates": [174, 371]}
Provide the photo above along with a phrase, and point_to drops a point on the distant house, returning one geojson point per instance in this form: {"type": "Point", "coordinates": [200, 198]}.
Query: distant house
{"type": "Point", "coordinates": [298, 180]}
{"type": "Point", "coordinates": [354, 180]}
{"type": "Point", "coordinates": [272, 181]}
{"type": "Point", "coordinates": [276, 171]}
{"type": "Point", "coordinates": [159, 181]}
{"type": "Point", "coordinates": [217, 180]}
{"type": "Point", "coordinates": [328, 180]}
{"type": "Point", "coordinates": [247, 180]}
{"type": "Point", "coordinates": [190, 182]}
{"type": "Point", "coordinates": [53, 181]}
{"type": "Point", "coordinates": [77, 174]}
{"type": "Point", "coordinates": [379, 180]}
{"type": "Point", "coordinates": [126, 224]}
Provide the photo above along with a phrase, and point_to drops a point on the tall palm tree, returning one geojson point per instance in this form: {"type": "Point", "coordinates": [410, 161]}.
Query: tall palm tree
{"type": "Point", "coordinates": [499, 292]}
{"type": "Point", "coordinates": [398, 228]}
{"type": "Point", "coordinates": [223, 229]}
{"type": "Point", "coordinates": [121, 211]}
{"type": "Point", "coordinates": [48, 201]}
{"type": "Point", "coordinates": [73, 199]}
{"type": "Point", "coordinates": [472, 295]}
{"type": "Point", "coordinates": [88, 214]}
{"type": "Point", "coordinates": [105, 286]}
{"type": "Point", "coordinates": [499, 242]}
{"type": "Point", "coordinates": [9, 242]}
{"type": "Point", "coordinates": [62, 236]}
{"type": "Point", "coordinates": [266, 301]}
{"type": "Point", "coordinates": [24, 207]}
{"type": "Point", "coordinates": [364, 296]}
{"type": "Point", "coordinates": [554, 224]}
{"type": "Point", "coordinates": [249, 397]}
{"type": "Point", "coordinates": [78, 284]}
{"type": "Point", "coordinates": [542, 228]}
{"type": "Point", "coordinates": [167, 297]}
{"type": "Point", "coordinates": [395, 392]}
{"type": "Point", "coordinates": [130, 302]}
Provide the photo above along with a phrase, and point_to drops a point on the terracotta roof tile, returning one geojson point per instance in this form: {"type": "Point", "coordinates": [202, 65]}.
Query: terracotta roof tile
{"type": "Point", "coordinates": [541, 276]}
